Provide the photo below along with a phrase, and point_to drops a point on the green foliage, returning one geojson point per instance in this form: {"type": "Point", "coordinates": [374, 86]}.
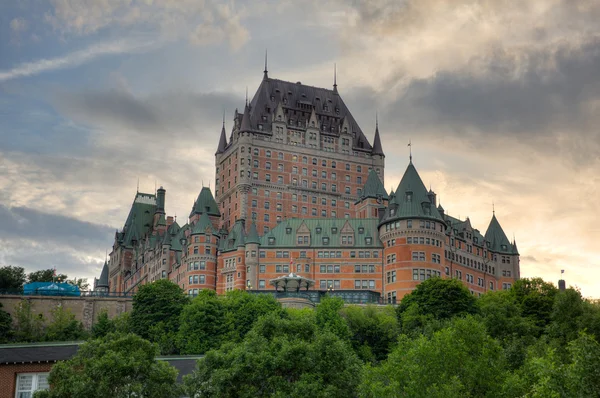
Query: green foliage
{"type": "Point", "coordinates": [461, 360]}
{"type": "Point", "coordinates": [210, 320]}
{"type": "Point", "coordinates": [12, 278]}
{"type": "Point", "coordinates": [28, 326]}
{"type": "Point", "coordinates": [5, 325]}
{"type": "Point", "coordinates": [82, 283]}
{"type": "Point", "coordinates": [46, 275]}
{"type": "Point", "coordinates": [436, 298]}
{"type": "Point", "coordinates": [503, 317]}
{"type": "Point", "coordinates": [103, 325]}
{"type": "Point", "coordinates": [64, 326]}
{"type": "Point", "coordinates": [536, 299]}
{"type": "Point", "coordinates": [117, 366]}
{"type": "Point", "coordinates": [373, 331]}
{"type": "Point", "coordinates": [284, 355]}
{"type": "Point", "coordinates": [156, 310]}
{"type": "Point", "coordinates": [328, 317]}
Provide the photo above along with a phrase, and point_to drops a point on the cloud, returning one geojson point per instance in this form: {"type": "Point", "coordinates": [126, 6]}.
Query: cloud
{"type": "Point", "coordinates": [18, 25]}
{"type": "Point", "coordinates": [75, 58]}
{"type": "Point", "coordinates": [200, 21]}
{"type": "Point", "coordinates": [21, 223]}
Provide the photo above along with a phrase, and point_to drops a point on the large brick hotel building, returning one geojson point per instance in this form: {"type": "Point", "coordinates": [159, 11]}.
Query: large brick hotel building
{"type": "Point", "coordinates": [299, 190]}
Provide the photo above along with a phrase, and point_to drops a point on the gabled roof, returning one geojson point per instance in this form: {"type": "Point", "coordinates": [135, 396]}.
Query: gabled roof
{"type": "Point", "coordinates": [103, 281]}
{"type": "Point", "coordinates": [206, 201]}
{"type": "Point", "coordinates": [253, 234]}
{"type": "Point", "coordinates": [329, 107]}
{"type": "Point", "coordinates": [411, 199]}
{"type": "Point", "coordinates": [374, 187]}
{"type": "Point", "coordinates": [235, 238]}
{"type": "Point", "coordinates": [285, 234]}
{"type": "Point", "coordinates": [496, 237]}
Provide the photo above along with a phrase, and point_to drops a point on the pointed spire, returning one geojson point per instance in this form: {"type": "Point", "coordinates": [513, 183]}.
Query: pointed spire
{"type": "Point", "coordinates": [266, 71]}
{"type": "Point", "coordinates": [374, 187]}
{"type": "Point", "coordinates": [335, 78]}
{"type": "Point", "coordinates": [410, 150]}
{"type": "Point", "coordinates": [245, 126]}
{"type": "Point", "coordinates": [377, 148]}
{"type": "Point", "coordinates": [253, 234]}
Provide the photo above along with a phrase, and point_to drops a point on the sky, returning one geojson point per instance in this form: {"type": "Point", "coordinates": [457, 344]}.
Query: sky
{"type": "Point", "coordinates": [500, 100]}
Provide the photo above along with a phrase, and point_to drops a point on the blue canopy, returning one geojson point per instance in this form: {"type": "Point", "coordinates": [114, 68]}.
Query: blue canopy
{"type": "Point", "coordinates": [51, 289]}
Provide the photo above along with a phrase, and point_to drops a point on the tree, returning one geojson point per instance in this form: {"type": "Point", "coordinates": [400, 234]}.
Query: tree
{"type": "Point", "coordinates": [5, 325]}
{"type": "Point", "coordinates": [502, 316]}
{"type": "Point", "coordinates": [28, 326]}
{"type": "Point", "coordinates": [461, 360]}
{"type": "Point", "coordinates": [156, 310]}
{"type": "Point", "coordinates": [12, 278]}
{"type": "Point", "coordinates": [439, 298]}
{"type": "Point", "coordinates": [103, 325]}
{"type": "Point", "coordinates": [82, 283]}
{"type": "Point", "coordinates": [64, 326]}
{"type": "Point", "coordinates": [284, 355]}
{"type": "Point", "coordinates": [46, 275]}
{"type": "Point", "coordinates": [373, 331]}
{"type": "Point", "coordinates": [536, 299]}
{"type": "Point", "coordinates": [242, 310]}
{"type": "Point", "coordinates": [118, 366]}
{"type": "Point", "coordinates": [328, 317]}
{"type": "Point", "coordinates": [202, 325]}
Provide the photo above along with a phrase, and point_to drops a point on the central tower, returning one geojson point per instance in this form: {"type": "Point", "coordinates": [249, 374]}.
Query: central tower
{"type": "Point", "coordinates": [296, 151]}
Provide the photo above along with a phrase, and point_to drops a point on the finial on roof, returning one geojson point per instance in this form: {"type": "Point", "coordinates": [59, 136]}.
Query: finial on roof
{"type": "Point", "coordinates": [266, 71]}
{"type": "Point", "coordinates": [410, 149]}
{"type": "Point", "coordinates": [138, 186]}
{"type": "Point", "coordinates": [223, 118]}
{"type": "Point", "coordinates": [334, 78]}
{"type": "Point", "coordinates": [376, 120]}
{"type": "Point", "coordinates": [493, 208]}
{"type": "Point", "coordinates": [246, 95]}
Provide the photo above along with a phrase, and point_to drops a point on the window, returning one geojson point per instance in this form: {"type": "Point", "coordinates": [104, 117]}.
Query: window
{"type": "Point", "coordinates": [28, 383]}
{"type": "Point", "coordinates": [261, 284]}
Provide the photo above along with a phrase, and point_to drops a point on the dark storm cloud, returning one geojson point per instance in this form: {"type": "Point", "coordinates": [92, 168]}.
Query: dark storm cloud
{"type": "Point", "coordinates": [21, 223]}
{"type": "Point", "coordinates": [184, 114]}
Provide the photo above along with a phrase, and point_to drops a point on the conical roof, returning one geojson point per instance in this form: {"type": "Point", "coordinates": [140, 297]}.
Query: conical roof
{"type": "Point", "coordinates": [377, 148]}
{"type": "Point", "coordinates": [253, 234]}
{"type": "Point", "coordinates": [411, 198]}
{"type": "Point", "coordinates": [374, 187]}
{"type": "Point", "coordinates": [222, 140]}
{"type": "Point", "coordinates": [514, 247]}
{"type": "Point", "coordinates": [103, 281]}
{"type": "Point", "coordinates": [161, 221]}
{"type": "Point", "coordinates": [204, 202]}
{"type": "Point", "coordinates": [496, 237]}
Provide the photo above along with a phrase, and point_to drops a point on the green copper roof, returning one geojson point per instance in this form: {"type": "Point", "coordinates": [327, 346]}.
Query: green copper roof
{"type": "Point", "coordinates": [514, 247]}
{"type": "Point", "coordinates": [161, 221]}
{"type": "Point", "coordinates": [203, 225]}
{"type": "Point", "coordinates": [140, 218]}
{"type": "Point", "coordinates": [411, 199]}
{"type": "Point", "coordinates": [176, 239]}
{"type": "Point", "coordinates": [285, 234]}
{"type": "Point", "coordinates": [496, 237]}
{"type": "Point", "coordinates": [374, 187]}
{"type": "Point", "coordinates": [206, 201]}
{"type": "Point", "coordinates": [235, 238]}
{"type": "Point", "coordinates": [253, 234]}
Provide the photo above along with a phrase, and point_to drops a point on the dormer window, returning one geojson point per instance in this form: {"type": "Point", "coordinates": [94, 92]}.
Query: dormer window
{"type": "Point", "coordinates": [361, 230]}
{"type": "Point", "coordinates": [503, 247]}
{"type": "Point", "coordinates": [271, 240]}
{"type": "Point", "coordinates": [318, 230]}
{"type": "Point", "coordinates": [369, 240]}
{"type": "Point", "coordinates": [325, 240]}
{"type": "Point", "coordinates": [288, 230]}
{"type": "Point", "coordinates": [334, 230]}
{"type": "Point", "coordinates": [409, 196]}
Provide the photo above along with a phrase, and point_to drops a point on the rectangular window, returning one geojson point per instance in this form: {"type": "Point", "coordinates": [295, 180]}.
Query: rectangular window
{"type": "Point", "coordinates": [28, 383]}
{"type": "Point", "coordinates": [261, 284]}
{"type": "Point", "coordinates": [261, 269]}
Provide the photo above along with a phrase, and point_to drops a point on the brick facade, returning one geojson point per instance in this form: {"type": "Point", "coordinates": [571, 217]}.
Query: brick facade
{"type": "Point", "coordinates": [296, 156]}
{"type": "Point", "coordinates": [8, 375]}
